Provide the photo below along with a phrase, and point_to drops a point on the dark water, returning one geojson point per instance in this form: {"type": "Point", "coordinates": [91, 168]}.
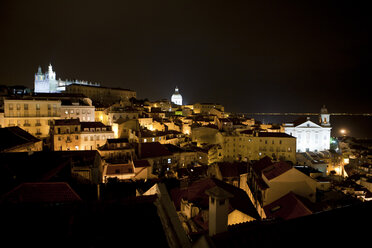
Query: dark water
{"type": "Point", "coordinates": [356, 126]}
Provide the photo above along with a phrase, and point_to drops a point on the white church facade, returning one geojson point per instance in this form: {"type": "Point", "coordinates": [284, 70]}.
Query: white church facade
{"type": "Point", "coordinates": [311, 137]}
{"type": "Point", "coordinates": [47, 82]}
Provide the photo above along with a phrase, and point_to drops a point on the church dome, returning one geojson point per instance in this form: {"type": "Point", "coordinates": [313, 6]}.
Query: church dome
{"type": "Point", "coordinates": [176, 97]}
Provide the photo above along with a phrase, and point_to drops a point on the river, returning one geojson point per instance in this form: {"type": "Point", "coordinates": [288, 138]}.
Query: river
{"type": "Point", "coordinates": [356, 126]}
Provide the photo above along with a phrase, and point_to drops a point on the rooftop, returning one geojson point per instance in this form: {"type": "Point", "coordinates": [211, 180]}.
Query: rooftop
{"type": "Point", "coordinates": [101, 87]}
{"type": "Point", "coordinates": [93, 124]}
{"type": "Point", "coordinates": [42, 192]}
{"type": "Point", "coordinates": [276, 170]}
{"type": "Point", "coordinates": [196, 193]}
{"type": "Point", "coordinates": [154, 149]}
{"type": "Point", "coordinates": [115, 169]}
{"type": "Point", "coordinates": [66, 122]}
{"type": "Point", "coordinates": [287, 207]}
{"type": "Point", "coordinates": [15, 136]}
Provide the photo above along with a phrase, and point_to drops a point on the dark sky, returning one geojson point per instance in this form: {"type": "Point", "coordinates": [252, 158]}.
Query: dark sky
{"type": "Point", "coordinates": [251, 56]}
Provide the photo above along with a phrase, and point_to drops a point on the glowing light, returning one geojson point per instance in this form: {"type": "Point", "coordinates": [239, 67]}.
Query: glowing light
{"type": "Point", "coordinates": [343, 131]}
{"type": "Point", "coordinates": [115, 128]}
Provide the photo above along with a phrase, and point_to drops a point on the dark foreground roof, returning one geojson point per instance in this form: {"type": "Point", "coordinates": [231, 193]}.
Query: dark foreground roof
{"type": "Point", "coordinates": [342, 227]}
{"type": "Point", "coordinates": [95, 224]}
{"type": "Point", "coordinates": [12, 137]}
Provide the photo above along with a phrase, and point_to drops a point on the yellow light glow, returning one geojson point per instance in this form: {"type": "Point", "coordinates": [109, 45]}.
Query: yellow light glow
{"type": "Point", "coordinates": [115, 128]}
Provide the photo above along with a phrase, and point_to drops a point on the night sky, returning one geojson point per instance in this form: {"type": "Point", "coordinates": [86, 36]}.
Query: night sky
{"type": "Point", "coordinates": [250, 56]}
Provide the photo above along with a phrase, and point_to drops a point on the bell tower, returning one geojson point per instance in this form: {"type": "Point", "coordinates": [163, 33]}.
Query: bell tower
{"type": "Point", "coordinates": [324, 117]}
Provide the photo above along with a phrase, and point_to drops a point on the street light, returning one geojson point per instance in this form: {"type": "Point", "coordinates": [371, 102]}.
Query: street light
{"type": "Point", "coordinates": [343, 132]}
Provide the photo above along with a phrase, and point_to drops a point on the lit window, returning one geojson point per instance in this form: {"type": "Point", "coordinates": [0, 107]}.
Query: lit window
{"type": "Point", "coordinates": [145, 140]}
{"type": "Point", "coordinates": [169, 160]}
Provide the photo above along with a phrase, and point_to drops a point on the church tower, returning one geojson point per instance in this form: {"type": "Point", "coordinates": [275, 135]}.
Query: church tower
{"type": "Point", "coordinates": [45, 82]}
{"type": "Point", "coordinates": [176, 97]}
{"type": "Point", "coordinates": [324, 117]}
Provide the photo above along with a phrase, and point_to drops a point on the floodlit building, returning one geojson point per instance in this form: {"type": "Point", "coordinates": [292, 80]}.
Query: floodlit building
{"type": "Point", "coordinates": [251, 145]}
{"type": "Point", "coordinates": [31, 114]}
{"type": "Point", "coordinates": [71, 134]}
{"type": "Point", "coordinates": [205, 108]}
{"type": "Point", "coordinates": [82, 110]}
{"type": "Point", "coordinates": [176, 97]}
{"type": "Point", "coordinates": [47, 82]}
{"type": "Point", "coordinates": [311, 137]}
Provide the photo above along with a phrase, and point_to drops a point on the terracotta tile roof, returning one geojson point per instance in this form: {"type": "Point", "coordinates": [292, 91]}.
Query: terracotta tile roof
{"type": "Point", "coordinates": [42, 192]}
{"type": "Point", "coordinates": [287, 207]}
{"type": "Point", "coordinates": [276, 170]}
{"type": "Point", "coordinates": [261, 164]}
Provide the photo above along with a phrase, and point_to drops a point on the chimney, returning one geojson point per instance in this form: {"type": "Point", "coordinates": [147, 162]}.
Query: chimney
{"type": "Point", "coordinates": [218, 209]}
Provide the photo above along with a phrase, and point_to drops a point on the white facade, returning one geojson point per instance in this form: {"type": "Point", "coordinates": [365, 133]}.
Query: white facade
{"type": "Point", "coordinates": [176, 97]}
{"type": "Point", "coordinates": [310, 137]}
{"type": "Point", "coordinates": [47, 82]}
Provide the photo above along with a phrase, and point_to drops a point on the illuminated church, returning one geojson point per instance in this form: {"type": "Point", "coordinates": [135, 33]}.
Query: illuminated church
{"type": "Point", "coordinates": [176, 97]}
{"type": "Point", "coordinates": [47, 82]}
{"type": "Point", "coordinates": [311, 137]}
